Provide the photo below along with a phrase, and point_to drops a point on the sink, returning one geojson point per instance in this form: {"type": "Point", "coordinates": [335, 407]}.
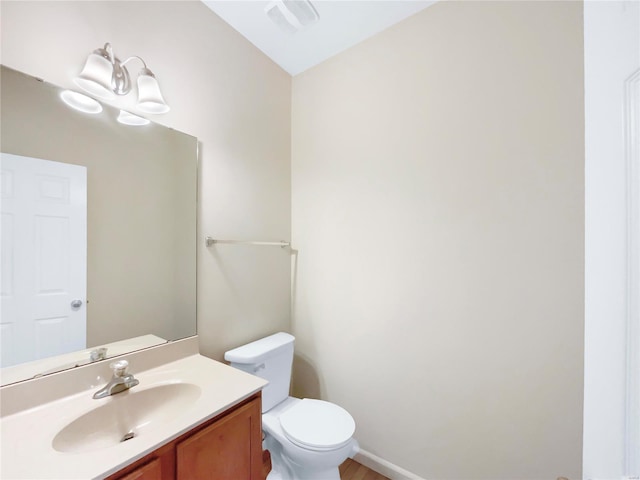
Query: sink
{"type": "Point", "coordinates": [125, 416]}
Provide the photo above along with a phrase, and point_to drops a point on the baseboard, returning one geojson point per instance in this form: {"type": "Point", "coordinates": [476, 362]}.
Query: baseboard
{"type": "Point", "coordinates": [383, 467]}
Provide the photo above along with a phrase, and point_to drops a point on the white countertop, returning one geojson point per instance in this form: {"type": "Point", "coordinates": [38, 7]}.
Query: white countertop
{"type": "Point", "coordinates": [27, 451]}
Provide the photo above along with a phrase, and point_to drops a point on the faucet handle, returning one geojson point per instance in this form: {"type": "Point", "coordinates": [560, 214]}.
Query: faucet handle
{"type": "Point", "coordinates": [119, 368]}
{"type": "Point", "coordinates": [98, 354]}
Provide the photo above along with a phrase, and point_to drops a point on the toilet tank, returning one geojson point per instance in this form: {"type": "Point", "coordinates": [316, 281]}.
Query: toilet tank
{"type": "Point", "coordinates": [269, 358]}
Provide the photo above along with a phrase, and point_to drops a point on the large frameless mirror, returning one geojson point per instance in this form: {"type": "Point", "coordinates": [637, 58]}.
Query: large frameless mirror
{"type": "Point", "coordinates": [98, 232]}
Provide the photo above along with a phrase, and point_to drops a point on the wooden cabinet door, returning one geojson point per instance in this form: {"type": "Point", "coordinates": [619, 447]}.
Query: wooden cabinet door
{"type": "Point", "coordinates": [148, 471]}
{"type": "Point", "coordinates": [229, 449]}
{"type": "Point", "coordinates": [158, 465]}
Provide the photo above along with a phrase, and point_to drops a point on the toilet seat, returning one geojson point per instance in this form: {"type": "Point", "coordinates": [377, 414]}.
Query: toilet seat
{"type": "Point", "coordinates": [317, 425]}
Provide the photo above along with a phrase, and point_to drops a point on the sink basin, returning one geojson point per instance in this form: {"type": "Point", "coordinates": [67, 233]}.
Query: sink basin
{"type": "Point", "coordinates": [124, 416]}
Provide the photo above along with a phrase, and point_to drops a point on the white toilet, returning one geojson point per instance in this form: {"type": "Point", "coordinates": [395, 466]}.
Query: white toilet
{"type": "Point", "coordinates": [308, 439]}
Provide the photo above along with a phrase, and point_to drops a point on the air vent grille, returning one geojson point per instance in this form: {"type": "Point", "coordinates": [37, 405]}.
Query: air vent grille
{"type": "Point", "coordinates": [292, 15]}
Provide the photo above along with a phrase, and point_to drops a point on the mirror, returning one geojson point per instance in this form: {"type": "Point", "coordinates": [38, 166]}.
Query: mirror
{"type": "Point", "coordinates": [139, 240]}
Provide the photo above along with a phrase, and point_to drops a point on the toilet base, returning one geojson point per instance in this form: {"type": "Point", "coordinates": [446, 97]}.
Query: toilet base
{"type": "Point", "coordinates": [332, 474]}
{"type": "Point", "coordinates": [284, 468]}
{"type": "Point", "coordinates": [273, 475]}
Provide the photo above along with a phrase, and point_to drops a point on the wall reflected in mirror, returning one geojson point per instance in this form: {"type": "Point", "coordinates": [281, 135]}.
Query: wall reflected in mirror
{"type": "Point", "coordinates": [120, 274]}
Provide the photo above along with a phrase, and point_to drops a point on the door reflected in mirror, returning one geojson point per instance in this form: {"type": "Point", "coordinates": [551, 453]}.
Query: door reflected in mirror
{"type": "Point", "coordinates": [139, 242]}
{"type": "Point", "coordinates": [44, 261]}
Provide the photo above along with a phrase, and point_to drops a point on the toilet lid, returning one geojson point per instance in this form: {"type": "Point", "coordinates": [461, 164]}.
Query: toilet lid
{"type": "Point", "coordinates": [317, 424]}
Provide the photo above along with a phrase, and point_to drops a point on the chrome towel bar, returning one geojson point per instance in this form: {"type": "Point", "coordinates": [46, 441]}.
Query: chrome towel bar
{"type": "Point", "coordinates": [211, 241]}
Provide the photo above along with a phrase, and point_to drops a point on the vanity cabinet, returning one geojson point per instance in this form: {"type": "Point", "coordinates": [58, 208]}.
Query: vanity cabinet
{"type": "Point", "coordinates": [227, 447]}
{"type": "Point", "coordinates": [151, 470]}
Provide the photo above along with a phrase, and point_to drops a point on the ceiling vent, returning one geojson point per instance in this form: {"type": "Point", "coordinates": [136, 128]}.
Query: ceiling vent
{"type": "Point", "coordinates": [292, 15]}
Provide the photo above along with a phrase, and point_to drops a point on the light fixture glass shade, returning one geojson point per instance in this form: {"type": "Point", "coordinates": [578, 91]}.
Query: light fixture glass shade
{"type": "Point", "coordinates": [149, 96]}
{"type": "Point", "coordinates": [96, 76]}
{"type": "Point", "coordinates": [81, 102]}
{"type": "Point", "coordinates": [128, 118]}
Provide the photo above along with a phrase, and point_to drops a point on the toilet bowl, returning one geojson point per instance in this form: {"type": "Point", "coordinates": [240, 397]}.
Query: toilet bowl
{"type": "Point", "coordinates": [308, 439]}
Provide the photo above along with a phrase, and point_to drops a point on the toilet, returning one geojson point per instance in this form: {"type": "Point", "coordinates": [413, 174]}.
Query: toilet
{"type": "Point", "coordinates": [308, 439]}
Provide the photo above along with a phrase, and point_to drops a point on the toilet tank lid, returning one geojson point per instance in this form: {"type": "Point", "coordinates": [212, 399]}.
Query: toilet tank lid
{"type": "Point", "coordinates": [256, 352]}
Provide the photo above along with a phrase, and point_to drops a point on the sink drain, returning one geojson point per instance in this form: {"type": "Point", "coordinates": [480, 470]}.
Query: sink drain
{"type": "Point", "coordinates": [128, 436]}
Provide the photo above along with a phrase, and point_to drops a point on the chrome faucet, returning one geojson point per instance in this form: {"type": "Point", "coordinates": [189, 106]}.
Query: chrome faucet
{"type": "Point", "coordinates": [120, 381]}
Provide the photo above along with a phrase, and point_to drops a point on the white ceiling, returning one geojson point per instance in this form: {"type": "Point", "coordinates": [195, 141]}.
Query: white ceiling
{"type": "Point", "coordinates": [342, 24]}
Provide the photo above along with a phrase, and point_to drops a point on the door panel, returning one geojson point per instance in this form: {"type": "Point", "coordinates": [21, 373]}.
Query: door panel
{"type": "Point", "coordinates": [45, 202]}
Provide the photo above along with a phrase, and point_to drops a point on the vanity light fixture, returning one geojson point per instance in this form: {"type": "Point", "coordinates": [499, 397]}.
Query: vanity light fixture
{"type": "Point", "coordinates": [105, 76]}
{"type": "Point", "coordinates": [81, 102]}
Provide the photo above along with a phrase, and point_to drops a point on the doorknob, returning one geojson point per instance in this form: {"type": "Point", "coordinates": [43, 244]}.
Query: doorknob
{"type": "Point", "coordinates": [76, 303]}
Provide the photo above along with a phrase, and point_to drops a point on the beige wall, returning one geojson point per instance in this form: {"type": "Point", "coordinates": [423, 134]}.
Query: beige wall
{"type": "Point", "coordinates": [223, 91]}
{"type": "Point", "coordinates": [438, 203]}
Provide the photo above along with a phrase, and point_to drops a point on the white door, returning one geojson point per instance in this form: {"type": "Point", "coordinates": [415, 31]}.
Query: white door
{"type": "Point", "coordinates": [44, 258]}
{"type": "Point", "coordinates": [611, 447]}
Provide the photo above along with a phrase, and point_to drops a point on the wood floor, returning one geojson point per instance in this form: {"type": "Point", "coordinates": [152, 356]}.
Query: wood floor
{"type": "Point", "coordinates": [352, 470]}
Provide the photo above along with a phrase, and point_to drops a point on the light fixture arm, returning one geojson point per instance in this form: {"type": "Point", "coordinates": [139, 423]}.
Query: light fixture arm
{"type": "Point", "coordinates": [145, 70]}
{"type": "Point", "coordinates": [121, 80]}
{"type": "Point", "coordinates": [131, 58]}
